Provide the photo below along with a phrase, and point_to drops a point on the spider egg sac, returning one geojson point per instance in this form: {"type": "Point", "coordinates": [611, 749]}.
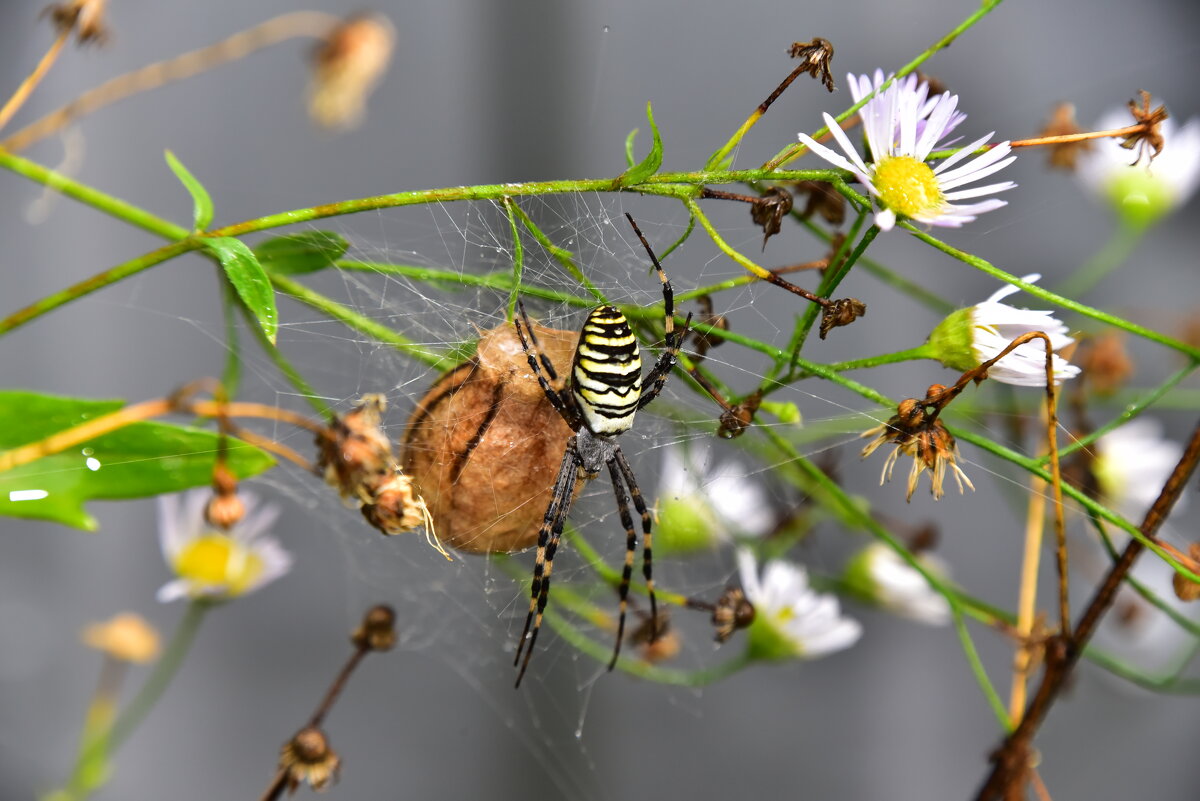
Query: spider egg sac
{"type": "Point", "coordinates": [484, 445]}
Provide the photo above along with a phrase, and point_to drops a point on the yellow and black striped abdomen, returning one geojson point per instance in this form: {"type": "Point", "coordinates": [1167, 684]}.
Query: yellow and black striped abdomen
{"type": "Point", "coordinates": [606, 376]}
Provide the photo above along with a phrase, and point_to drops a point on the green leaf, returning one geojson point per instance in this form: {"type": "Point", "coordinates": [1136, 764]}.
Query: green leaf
{"type": "Point", "coordinates": [249, 279]}
{"type": "Point", "coordinates": [202, 205]}
{"type": "Point", "coordinates": [301, 253]}
{"type": "Point", "coordinates": [629, 157]}
{"type": "Point", "coordinates": [650, 164]}
{"type": "Point", "coordinates": [137, 461]}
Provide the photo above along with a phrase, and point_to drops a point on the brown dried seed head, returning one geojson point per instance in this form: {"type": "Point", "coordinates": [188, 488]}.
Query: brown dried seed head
{"type": "Point", "coordinates": [377, 632]}
{"type": "Point", "coordinates": [1062, 123]}
{"type": "Point", "coordinates": [732, 612]}
{"type": "Point", "coordinates": [308, 759]}
{"type": "Point", "coordinates": [816, 55]}
{"type": "Point", "coordinates": [224, 511]}
{"type": "Point", "coordinates": [346, 67]}
{"type": "Point", "coordinates": [769, 210]}
{"type": "Point", "coordinates": [394, 507]}
{"type": "Point", "coordinates": [841, 312]}
{"type": "Point", "coordinates": [1106, 363]}
{"type": "Point", "coordinates": [126, 637]}
{"type": "Point", "coordinates": [656, 643]}
{"type": "Point", "coordinates": [354, 454]}
{"type": "Point", "coordinates": [823, 200]}
{"type": "Point", "coordinates": [484, 445]}
{"type": "Point", "coordinates": [86, 17]}
{"type": "Point", "coordinates": [1150, 138]}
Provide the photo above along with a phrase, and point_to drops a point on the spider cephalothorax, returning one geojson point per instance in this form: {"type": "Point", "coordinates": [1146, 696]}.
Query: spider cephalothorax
{"type": "Point", "coordinates": [604, 391]}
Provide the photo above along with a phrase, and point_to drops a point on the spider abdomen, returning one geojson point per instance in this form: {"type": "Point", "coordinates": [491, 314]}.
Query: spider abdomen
{"type": "Point", "coordinates": [606, 376]}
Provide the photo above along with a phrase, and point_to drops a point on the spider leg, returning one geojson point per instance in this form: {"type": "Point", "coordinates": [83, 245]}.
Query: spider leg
{"type": "Point", "coordinates": [559, 399]}
{"type": "Point", "coordinates": [639, 503]}
{"type": "Point", "coordinates": [630, 549]}
{"type": "Point", "coordinates": [657, 376]}
{"type": "Point", "coordinates": [548, 538]}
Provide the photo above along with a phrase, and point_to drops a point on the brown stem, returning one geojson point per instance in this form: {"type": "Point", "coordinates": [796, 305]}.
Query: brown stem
{"type": "Point", "coordinates": [152, 76]}
{"type": "Point", "coordinates": [1065, 139]}
{"type": "Point", "coordinates": [338, 685]}
{"type": "Point", "coordinates": [1011, 759]}
{"type": "Point", "coordinates": [720, 194]}
{"type": "Point", "coordinates": [30, 83]}
{"type": "Point", "coordinates": [275, 789]}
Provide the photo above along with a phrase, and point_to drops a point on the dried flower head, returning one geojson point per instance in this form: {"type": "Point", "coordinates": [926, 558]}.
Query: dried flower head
{"type": "Point", "coordinates": [377, 631]}
{"type": "Point", "coordinates": [842, 311]}
{"type": "Point", "coordinates": [1185, 589]}
{"type": "Point", "coordinates": [656, 641]}
{"type": "Point", "coordinates": [703, 341]}
{"type": "Point", "coordinates": [769, 210]}
{"type": "Point", "coordinates": [217, 564]}
{"type": "Point", "coordinates": [732, 612]}
{"type": "Point", "coordinates": [1161, 180]}
{"type": "Point", "coordinates": [916, 431]}
{"type": "Point", "coordinates": [127, 637]}
{"type": "Point", "coordinates": [85, 17]}
{"type": "Point", "coordinates": [816, 56]}
{"type": "Point", "coordinates": [1150, 138]}
{"type": "Point", "coordinates": [1062, 123]}
{"type": "Point", "coordinates": [903, 125]}
{"type": "Point", "coordinates": [354, 453]}
{"type": "Point", "coordinates": [225, 509]}
{"type": "Point", "coordinates": [346, 67]}
{"type": "Point", "coordinates": [308, 759]}
{"type": "Point", "coordinates": [823, 200]}
{"type": "Point", "coordinates": [1106, 363]}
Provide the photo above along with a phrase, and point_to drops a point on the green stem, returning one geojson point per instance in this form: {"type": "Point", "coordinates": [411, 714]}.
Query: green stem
{"type": "Point", "coordinates": [359, 322]}
{"type": "Point", "coordinates": [85, 777]}
{"type": "Point", "coordinates": [1115, 252]}
{"type": "Point", "coordinates": [1052, 297]}
{"type": "Point", "coordinates": [980, 673]}
{"type": "Point", "coordinates": [285, 367]}
{"type": "Point", "coordinates": [518, 268]}
{"type": "Point", "coordinates": [564, 257]}
{"type": "Point", "coordinates": [829, 284]}
{"type": "Point", "coordinates": [923, 351]}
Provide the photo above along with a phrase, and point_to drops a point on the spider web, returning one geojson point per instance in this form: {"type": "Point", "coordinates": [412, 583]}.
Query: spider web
{"type": "Point", "coordinates": [469, 613]}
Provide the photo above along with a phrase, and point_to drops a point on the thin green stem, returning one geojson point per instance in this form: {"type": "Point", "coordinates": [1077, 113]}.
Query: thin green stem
{"type": "Point", "coordinates": [980, 673]}
{"type": "Point", "coordinates": [1052, 297]}
{"type": "Point", "coordinates": [289, 371]}
{"type": "Point", "coordinates": [564, 257]}
{"type": "Point", "coordinates": [358, 322]}
{"type": "Point", "coordinates": [518, 268]}
{"type": "Point", "coordinates": [1113, 254]}
{"type": "Point", "coordinates": [923, 351]}
{"type": "Point", "coordinates": [833, 277]}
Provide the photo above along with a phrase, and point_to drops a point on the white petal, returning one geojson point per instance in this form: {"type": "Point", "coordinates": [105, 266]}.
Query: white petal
{"type": "Point", "coordinates": [885, 219]}
{"type": "Point", "coordinates": [962, 153]}
{"type": "Point", "coordinates": [172, 591]}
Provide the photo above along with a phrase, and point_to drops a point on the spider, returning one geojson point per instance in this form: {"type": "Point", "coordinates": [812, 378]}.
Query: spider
{"type": "Point", "coordinates": [600, 397]}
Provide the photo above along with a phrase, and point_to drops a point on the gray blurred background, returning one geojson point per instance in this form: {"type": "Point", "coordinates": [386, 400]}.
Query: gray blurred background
{"type": "Point", "coordinates": [482, 92]}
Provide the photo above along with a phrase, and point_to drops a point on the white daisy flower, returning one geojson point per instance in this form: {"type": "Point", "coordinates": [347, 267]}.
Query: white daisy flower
{"type": "Point", "coordinates": [1132, 464]}
{"type": "Point", "coordinates": [791, 620]}
{"type": "Point", "coordinates": [903, 125]}
{"type": "Point", "coordinates": [701, 504]}
{"type": "Point", "coordinates": [214, 564]}
{"type": "Point", "coordinates": [878, 574]}
{"type": "Point", "coordinates": [1143, 191]}
{"type": "Point", "coordinates": [969, 337]}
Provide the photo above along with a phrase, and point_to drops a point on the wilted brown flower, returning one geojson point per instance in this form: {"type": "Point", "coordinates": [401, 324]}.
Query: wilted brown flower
{"type": "Point", "coordinates": [225, 509]}
{"type": "Point", "coordinates": [308, 759]}
{"type": "Point", "coordinates": [394, 507]}
{"type": "Point", "coordinates": [126, 637]}
{"type": "Point", "coordinates": [840, 312]}
{"type": "Point", "coordinates": [1150, 138]}
{"type": "Point", "coordinates": [1062, 123]}
{"type": "Point", "coordinates": [732, 612]}
{"type": "Point", "coordinates": [1185, 588]}
{"type": "Point", "coordinates": [1106, 363]}
{"type": "Point", "coordinates": [377, 632]}
{"type": "Point", "coordinates": [354, 454]}
{"type": "Point", "coordinates": [346, 67]}
{"type": "Point", "coordinates": [769, 210]}
{"type": "Point", "coordinates": [822, 199]}
{"type": "Point", "coordinates": [816, 55]}
{"type": "Point", "coordinates": [656, 642]}
{"type": "Point", "coordinates": [86, 17]}
{"type": "Point", "coordinates": [916, 432]}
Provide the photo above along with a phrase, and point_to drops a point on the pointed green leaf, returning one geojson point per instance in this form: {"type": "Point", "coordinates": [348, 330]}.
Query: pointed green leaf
{"type": "Point", "coordinates": [301, 253]}
{"type": "Point", "coordinates": [202, 205]}
{"type": "Point", "coordinates": [140, 460]}
{"type": "Point", "coordinates": [248, 279]}
{"type": "Point", "coordinates": [650, 164]}
{"type": "Point", "coordinates": [630, 159]}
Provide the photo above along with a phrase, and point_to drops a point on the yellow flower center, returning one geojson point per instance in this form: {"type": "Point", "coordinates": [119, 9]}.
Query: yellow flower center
{"type": "Point", "coordinates": [218, 561]}
{"type": "Point", "coordinates": [907, 186]}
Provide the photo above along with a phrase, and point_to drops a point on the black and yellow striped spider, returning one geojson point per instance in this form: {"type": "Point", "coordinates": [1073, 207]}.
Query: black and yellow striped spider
{"type": "Point", "coordinates": [598, 402]}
